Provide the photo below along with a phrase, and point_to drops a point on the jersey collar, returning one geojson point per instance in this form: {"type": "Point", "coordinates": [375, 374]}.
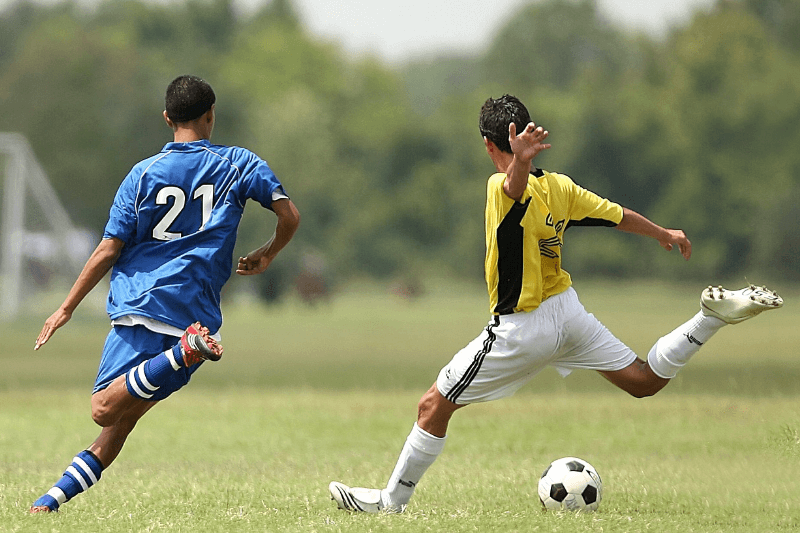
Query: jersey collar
{"type": "Point", "coordinates": [186, 147]}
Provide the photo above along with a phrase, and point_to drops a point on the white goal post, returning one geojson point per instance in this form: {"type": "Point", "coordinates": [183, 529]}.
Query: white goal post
{"type": "Point", "coordinates": [25, 178]}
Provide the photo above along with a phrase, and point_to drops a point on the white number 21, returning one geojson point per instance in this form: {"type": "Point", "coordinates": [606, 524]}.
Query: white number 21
{"type": "Point", "coordinates": [205, 191]}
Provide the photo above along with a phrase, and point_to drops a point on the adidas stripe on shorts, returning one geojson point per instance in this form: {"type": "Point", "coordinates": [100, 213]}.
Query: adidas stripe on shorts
{"type": "Point", "coordinates": [514, 348]}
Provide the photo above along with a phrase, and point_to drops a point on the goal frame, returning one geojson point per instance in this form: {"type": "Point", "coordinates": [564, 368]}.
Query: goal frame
{"type": "Point", "coordinates": [25, 177]}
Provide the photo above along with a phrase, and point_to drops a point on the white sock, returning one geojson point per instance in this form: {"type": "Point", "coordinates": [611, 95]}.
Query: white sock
{"type": "Point", "coordinates": [673, 350]}
{"type": "Point", "coordinates": [419, 452]}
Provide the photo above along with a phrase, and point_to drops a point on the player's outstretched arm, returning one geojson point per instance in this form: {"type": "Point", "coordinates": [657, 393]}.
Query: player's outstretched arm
{"type": "Point", "coordinates": [258, 260]}
{"type": "Point", "coordinates": [633, 222]}
{"type": "Point", "coordinates": [100, 262]}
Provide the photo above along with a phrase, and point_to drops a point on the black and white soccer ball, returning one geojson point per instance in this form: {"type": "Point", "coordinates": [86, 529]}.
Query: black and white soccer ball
{"type": "Point", "coordinates": [571, 484]}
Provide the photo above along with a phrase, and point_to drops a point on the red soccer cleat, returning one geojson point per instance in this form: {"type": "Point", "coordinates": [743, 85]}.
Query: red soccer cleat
{"type": "Point", "coordinates": [197, 345]}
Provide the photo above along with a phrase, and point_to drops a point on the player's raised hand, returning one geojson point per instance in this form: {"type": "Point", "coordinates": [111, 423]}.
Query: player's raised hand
{"type": "Point", "coordinates": [56, 320]}
{"type": "Point", "coordinates": [529, 142]}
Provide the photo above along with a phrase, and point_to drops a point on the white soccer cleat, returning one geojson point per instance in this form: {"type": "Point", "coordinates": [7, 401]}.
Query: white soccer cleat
{"type": "Point", "coordinates": [737, 306]}
{"type": "Point", "coordinates": [359, 500]}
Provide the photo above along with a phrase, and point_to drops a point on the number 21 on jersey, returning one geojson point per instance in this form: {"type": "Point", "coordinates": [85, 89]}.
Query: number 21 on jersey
{"type": "Point", "coordinates": [204, 192]}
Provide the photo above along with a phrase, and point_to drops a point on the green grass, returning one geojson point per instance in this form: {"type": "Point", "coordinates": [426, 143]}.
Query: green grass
{"type": "Point", "coordinates": [304, 396]}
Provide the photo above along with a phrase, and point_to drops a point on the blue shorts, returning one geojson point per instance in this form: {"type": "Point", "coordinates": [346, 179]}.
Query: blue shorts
{"type": "Point", "coordinates": [127, 347]}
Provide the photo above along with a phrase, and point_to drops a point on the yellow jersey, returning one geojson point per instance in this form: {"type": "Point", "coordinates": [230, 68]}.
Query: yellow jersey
{"type": "Point", "coordinates": [524, 239]}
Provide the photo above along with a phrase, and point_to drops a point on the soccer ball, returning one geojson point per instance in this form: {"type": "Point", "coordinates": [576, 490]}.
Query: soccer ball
{"type": "Point", "coordinates": [572, 484]}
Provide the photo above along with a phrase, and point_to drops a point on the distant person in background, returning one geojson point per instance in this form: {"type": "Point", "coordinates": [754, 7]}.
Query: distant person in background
{"type": "Point", "coordinates": [536, 317]}
{"type": "Point", "coordinates": [169, 245]}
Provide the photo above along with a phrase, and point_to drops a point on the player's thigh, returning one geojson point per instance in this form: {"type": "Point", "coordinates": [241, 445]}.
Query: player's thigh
{"type": "Point", "coordinates": [435, 411]}
{"type": "Point", "coordinates": [587, 344]}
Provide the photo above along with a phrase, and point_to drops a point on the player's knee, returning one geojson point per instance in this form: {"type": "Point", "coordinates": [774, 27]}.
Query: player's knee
{"type": "Point", "coordinates": [639, 393]}
{"type": "Point", "coordinates": [645, 389]}
{"type": "Point", "coordinates": [102, 418]}
{"type": "Point", "coordinates": [432, 409]}
{"type": "Point", "coordinates": [434, 412]}
{"type": "Point", "coordinates": [103, 413]}
{"type": "Point", "coordinates": [426, 405]}
{"type": "Point", "coordinates": [637, 379]}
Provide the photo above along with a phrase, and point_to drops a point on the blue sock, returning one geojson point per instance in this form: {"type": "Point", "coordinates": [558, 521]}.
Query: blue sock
{"type": "Point", "coordinates": [84, 472]}
{"type": "Point", "coordinates": [144, 380]}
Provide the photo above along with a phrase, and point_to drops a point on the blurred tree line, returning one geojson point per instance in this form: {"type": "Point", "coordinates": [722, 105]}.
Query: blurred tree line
{"type": "Point", "coordinates": [698, 130]}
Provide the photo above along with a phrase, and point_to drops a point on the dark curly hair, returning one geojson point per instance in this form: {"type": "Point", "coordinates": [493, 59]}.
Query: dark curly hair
{"type": "Point", "coordinates": [497, 114]}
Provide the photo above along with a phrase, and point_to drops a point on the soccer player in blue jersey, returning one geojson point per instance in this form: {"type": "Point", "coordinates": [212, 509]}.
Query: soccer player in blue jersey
{"type": "Point", "coordinates": [169, 244]}
{"type": "Point", "coordinates": [536, 317]}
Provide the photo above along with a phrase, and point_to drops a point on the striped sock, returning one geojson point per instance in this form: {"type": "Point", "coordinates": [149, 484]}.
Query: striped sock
{"type": "Point", "coordinates": [144, 380]}
{"type": "Point", "coordinates": [84, 472]}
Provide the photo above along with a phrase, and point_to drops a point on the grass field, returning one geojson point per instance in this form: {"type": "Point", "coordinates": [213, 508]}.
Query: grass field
{"type": "Point", "coordinates": [305, 396]}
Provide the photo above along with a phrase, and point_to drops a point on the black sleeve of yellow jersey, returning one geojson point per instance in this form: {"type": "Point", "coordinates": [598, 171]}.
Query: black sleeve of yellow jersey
{"type": "Point", "coordinates": [591, 222]}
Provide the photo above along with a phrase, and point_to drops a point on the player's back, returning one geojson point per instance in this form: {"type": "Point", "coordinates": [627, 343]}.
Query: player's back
{"type": "Point", "coordinates": [178, 214]}
{"type": "Point", "coordinates": [524, 238]}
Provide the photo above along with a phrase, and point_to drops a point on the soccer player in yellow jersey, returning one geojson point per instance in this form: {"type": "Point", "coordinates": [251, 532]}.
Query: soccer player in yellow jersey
{"type": "Point", "coordinates": [536, 317]}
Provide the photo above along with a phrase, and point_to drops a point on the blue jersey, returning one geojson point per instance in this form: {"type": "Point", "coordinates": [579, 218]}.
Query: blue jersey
{"type": "Point", "coordinates": [178, 213]}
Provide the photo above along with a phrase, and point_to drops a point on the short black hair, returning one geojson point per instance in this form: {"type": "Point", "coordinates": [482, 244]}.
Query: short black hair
{"type": "Point", "coordinates": [188, 97]}
{"type": "Point", "coordinates": [497, 114]}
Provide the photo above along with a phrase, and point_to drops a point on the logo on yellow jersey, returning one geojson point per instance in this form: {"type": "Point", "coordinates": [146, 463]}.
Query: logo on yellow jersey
{"type": "Point", "coordinates": [549, 247]}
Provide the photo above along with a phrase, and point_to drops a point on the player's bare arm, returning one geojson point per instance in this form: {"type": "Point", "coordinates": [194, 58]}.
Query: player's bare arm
{"type": "Point", "coordinates": [633, 222]}
{"type": "Point", "coordinates": [525, 147]}
{"type": "Point", "coordinates": [97, 266]}
{"type": "Point", "coordinates": [258, 260]}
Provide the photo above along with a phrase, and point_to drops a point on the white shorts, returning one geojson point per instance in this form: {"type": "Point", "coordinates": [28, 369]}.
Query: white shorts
{"type": "Point", "coordinates": [514, 348]}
